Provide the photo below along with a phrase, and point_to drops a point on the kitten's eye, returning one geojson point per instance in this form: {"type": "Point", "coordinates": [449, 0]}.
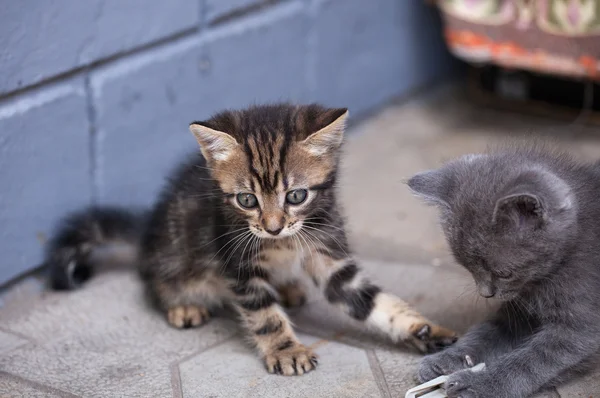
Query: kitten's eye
{"type": "Point", "coordinates": [247, 200]}
{"type": "Point", "coordinates": [503, 274]}
{"type": "Point", "coordinates": [296, 196]}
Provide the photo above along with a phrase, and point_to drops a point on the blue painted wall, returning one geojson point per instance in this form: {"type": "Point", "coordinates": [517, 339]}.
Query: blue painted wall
{"type": "Point", "coordinates": [96, 95]}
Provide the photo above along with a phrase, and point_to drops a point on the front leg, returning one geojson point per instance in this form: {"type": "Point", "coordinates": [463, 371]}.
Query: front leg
{"type": "Point", "coordinates": [552, 351]}
{"type": "Point", "coordinates": [484, 342]}
{"type": "Point", "coordinates": [480, 344]}
{"type": "Point", "coordinates": [270, 329]}
{"type": "Point", "coordinates": [292, 294]}
{"type": "Point", "coordinates": [345, 285]}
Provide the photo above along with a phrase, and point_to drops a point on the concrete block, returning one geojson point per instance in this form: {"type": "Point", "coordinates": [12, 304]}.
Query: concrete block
{"type": "Point", "coordinates": [44, 170]}
{"type": "Point", "coordinates": [28, 287]}
{"type": "Point", "coordinates": [40, 40]}
{"type": "Point", "coordinates": [105, 340]}
{"type": "Point", "coordinates": [344, 371]}
{"type": "Point", "coordinates": [9, 342]}
{"type": "Point", "coordinates": [399, 370]}
{"type": "Point", "coordinates": [585, 387]}
{"type": "Point", "coordinates": [11, 386]}
{"type": "Point", "coordinates": [366, 55]}
{"type": "Point", "coordinates": [144, 105]}
{"type": "Point", "coordinates": [261, 59]}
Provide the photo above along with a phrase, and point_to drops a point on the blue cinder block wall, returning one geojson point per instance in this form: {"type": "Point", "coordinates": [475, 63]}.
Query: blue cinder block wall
{"type": "Point", "coordinates": [96, 95]}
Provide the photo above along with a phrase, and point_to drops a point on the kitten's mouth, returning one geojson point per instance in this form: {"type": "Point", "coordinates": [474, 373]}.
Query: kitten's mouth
{"type": "Point", "coordinates": [286, 233]}
{"type": "Point", "coordinates": [506, 295]}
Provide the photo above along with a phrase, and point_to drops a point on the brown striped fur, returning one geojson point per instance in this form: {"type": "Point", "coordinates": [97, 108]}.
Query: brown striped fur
{"type": "Point", "coordinates": [201, 248]}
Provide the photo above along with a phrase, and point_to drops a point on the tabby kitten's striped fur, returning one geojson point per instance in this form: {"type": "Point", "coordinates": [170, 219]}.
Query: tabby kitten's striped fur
{"type": "Point", "coordinates": [241, 225]}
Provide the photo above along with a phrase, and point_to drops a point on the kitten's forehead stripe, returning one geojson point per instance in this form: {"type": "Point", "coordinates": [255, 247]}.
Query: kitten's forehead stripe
{"type": "Point", "coordinates": [253, 171]}
{"type": "Point", "coordinates": [275, 182]}
{"type": "Point", "coordinates": [263, 147]}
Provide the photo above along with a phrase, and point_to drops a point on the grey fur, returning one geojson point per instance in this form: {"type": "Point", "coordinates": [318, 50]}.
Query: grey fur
{"type": "Point", "coordinates": [525, 223]}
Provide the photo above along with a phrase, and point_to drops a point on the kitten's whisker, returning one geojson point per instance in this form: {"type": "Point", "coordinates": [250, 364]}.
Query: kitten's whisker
{"type": "Point", "coordinates": [298, 236]}
{"type": "Point", "coordinates": [323, 224]}
{"type": "Point", "coordinates": [525, 310]}
{"type": "Point", "coordinates": [508, 312]}
{"type": "Point", "coordinates": [250, 255]}
{"type": "Point", "coordinates": [307, 235]}
{"type": "Point", "coordinates": [235, 239]}
{"type": "Point", "coordinates": [256, 248]}
{"type": "Point", "coordinates": [298, 243]}
{"type": "Point", "coordinates": [325, 247]}
{"type": "Point", "coordinates": [244, 263]}
{"type": "Point", "coordinates": [235, 247]}
{"type": "Point", "coordinates": [217, 238]}
{"type": "Point", "coordinates": [467, 289]}
{"type": "Point", "coordinates": [309, 240]}
{"type": "Point", "coordinates": [232, 241]}
{"type": "Point", "coordinates": [301, 235]}
{"type": "Point", "coordinates": [331, 236]}
{"type": "Point", "coordinates": [327, 213]}
{"type": "Point", "coordinates": [231, 252]}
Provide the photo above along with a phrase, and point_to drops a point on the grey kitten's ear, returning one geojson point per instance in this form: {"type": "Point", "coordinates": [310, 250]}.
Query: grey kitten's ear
{"type": "Point", "coordinates": [534, 198]}
{"type": "Point", "coordinates": [330, 137]}
{"type": "Point", "coordinates": [522, 209]}
{"type": "Point", "coordinates": [432, 186]}
{"type": "Point", "coordinates": [215, 145]}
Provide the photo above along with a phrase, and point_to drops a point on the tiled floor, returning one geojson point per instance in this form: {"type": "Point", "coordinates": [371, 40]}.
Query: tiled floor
{"type": "Point", "coordinates": [105, 341]}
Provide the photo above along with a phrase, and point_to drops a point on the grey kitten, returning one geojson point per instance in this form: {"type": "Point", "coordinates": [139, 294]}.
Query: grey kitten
{"type": "Point", "coordinates": [526, 224]}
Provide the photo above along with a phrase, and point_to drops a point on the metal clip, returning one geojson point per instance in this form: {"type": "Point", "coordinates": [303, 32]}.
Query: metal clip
{"type": "Point", "coordinates": [435, 388]}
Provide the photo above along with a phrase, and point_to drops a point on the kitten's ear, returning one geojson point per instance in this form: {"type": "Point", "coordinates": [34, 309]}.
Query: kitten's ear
{"type": "Point", "coordinates": [522, 209]}
{"type": "Point", "coordinates": [215, 145]}
{"type": "Point", "coordinates": [534, 198]}
{"type": "Point", "coordinates": [330, 136]}
{"type": "Point", "coordinates": [431, 186]}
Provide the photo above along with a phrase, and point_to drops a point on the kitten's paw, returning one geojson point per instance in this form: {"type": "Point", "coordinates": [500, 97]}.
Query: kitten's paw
{"type": "Point", "coordinates": [187, 316]}
{"type": "Point", "coordinates": [292, 295]}
{"type": "Point", "coordinates": [289, 361]}
{"type": "Point", "coordinates": [468, 384]}
{"type": "Point", "coordinates": [443, 363]}
{"type": "Point", "coordinates": [430, 338]}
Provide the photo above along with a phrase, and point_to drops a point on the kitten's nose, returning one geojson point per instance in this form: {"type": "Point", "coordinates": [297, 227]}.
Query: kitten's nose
{"type": "Point", "coordinates": [274, 232]}
{"type": "Point", "coordinates": [273, 223]}
{"type": "Point", "coordinates": [487, 290]}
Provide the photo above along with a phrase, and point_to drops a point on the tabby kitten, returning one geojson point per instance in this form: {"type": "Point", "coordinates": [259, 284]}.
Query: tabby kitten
{"type": "Point", "coordinates": [242, 225]}
{"type": "Point", "coordinates": [524, 222]}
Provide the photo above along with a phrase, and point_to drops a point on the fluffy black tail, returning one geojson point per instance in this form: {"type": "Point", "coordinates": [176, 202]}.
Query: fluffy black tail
{"type": "Point", "coordinates": [95, 235]}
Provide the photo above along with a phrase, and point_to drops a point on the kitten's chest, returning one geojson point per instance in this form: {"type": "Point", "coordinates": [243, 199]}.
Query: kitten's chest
{"type": "Point", "coordinates": [282, 260]}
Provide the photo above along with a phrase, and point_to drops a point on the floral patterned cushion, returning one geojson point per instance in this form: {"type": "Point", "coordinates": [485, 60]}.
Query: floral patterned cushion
{"type": "Point", "coordinates": [553, 36]}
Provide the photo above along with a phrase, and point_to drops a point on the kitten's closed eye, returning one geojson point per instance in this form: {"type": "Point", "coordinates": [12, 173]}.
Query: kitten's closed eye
{"type": "Point", "coordinates": [497, 273]}
{"type": "Point", "coordinates": [503, 274]}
